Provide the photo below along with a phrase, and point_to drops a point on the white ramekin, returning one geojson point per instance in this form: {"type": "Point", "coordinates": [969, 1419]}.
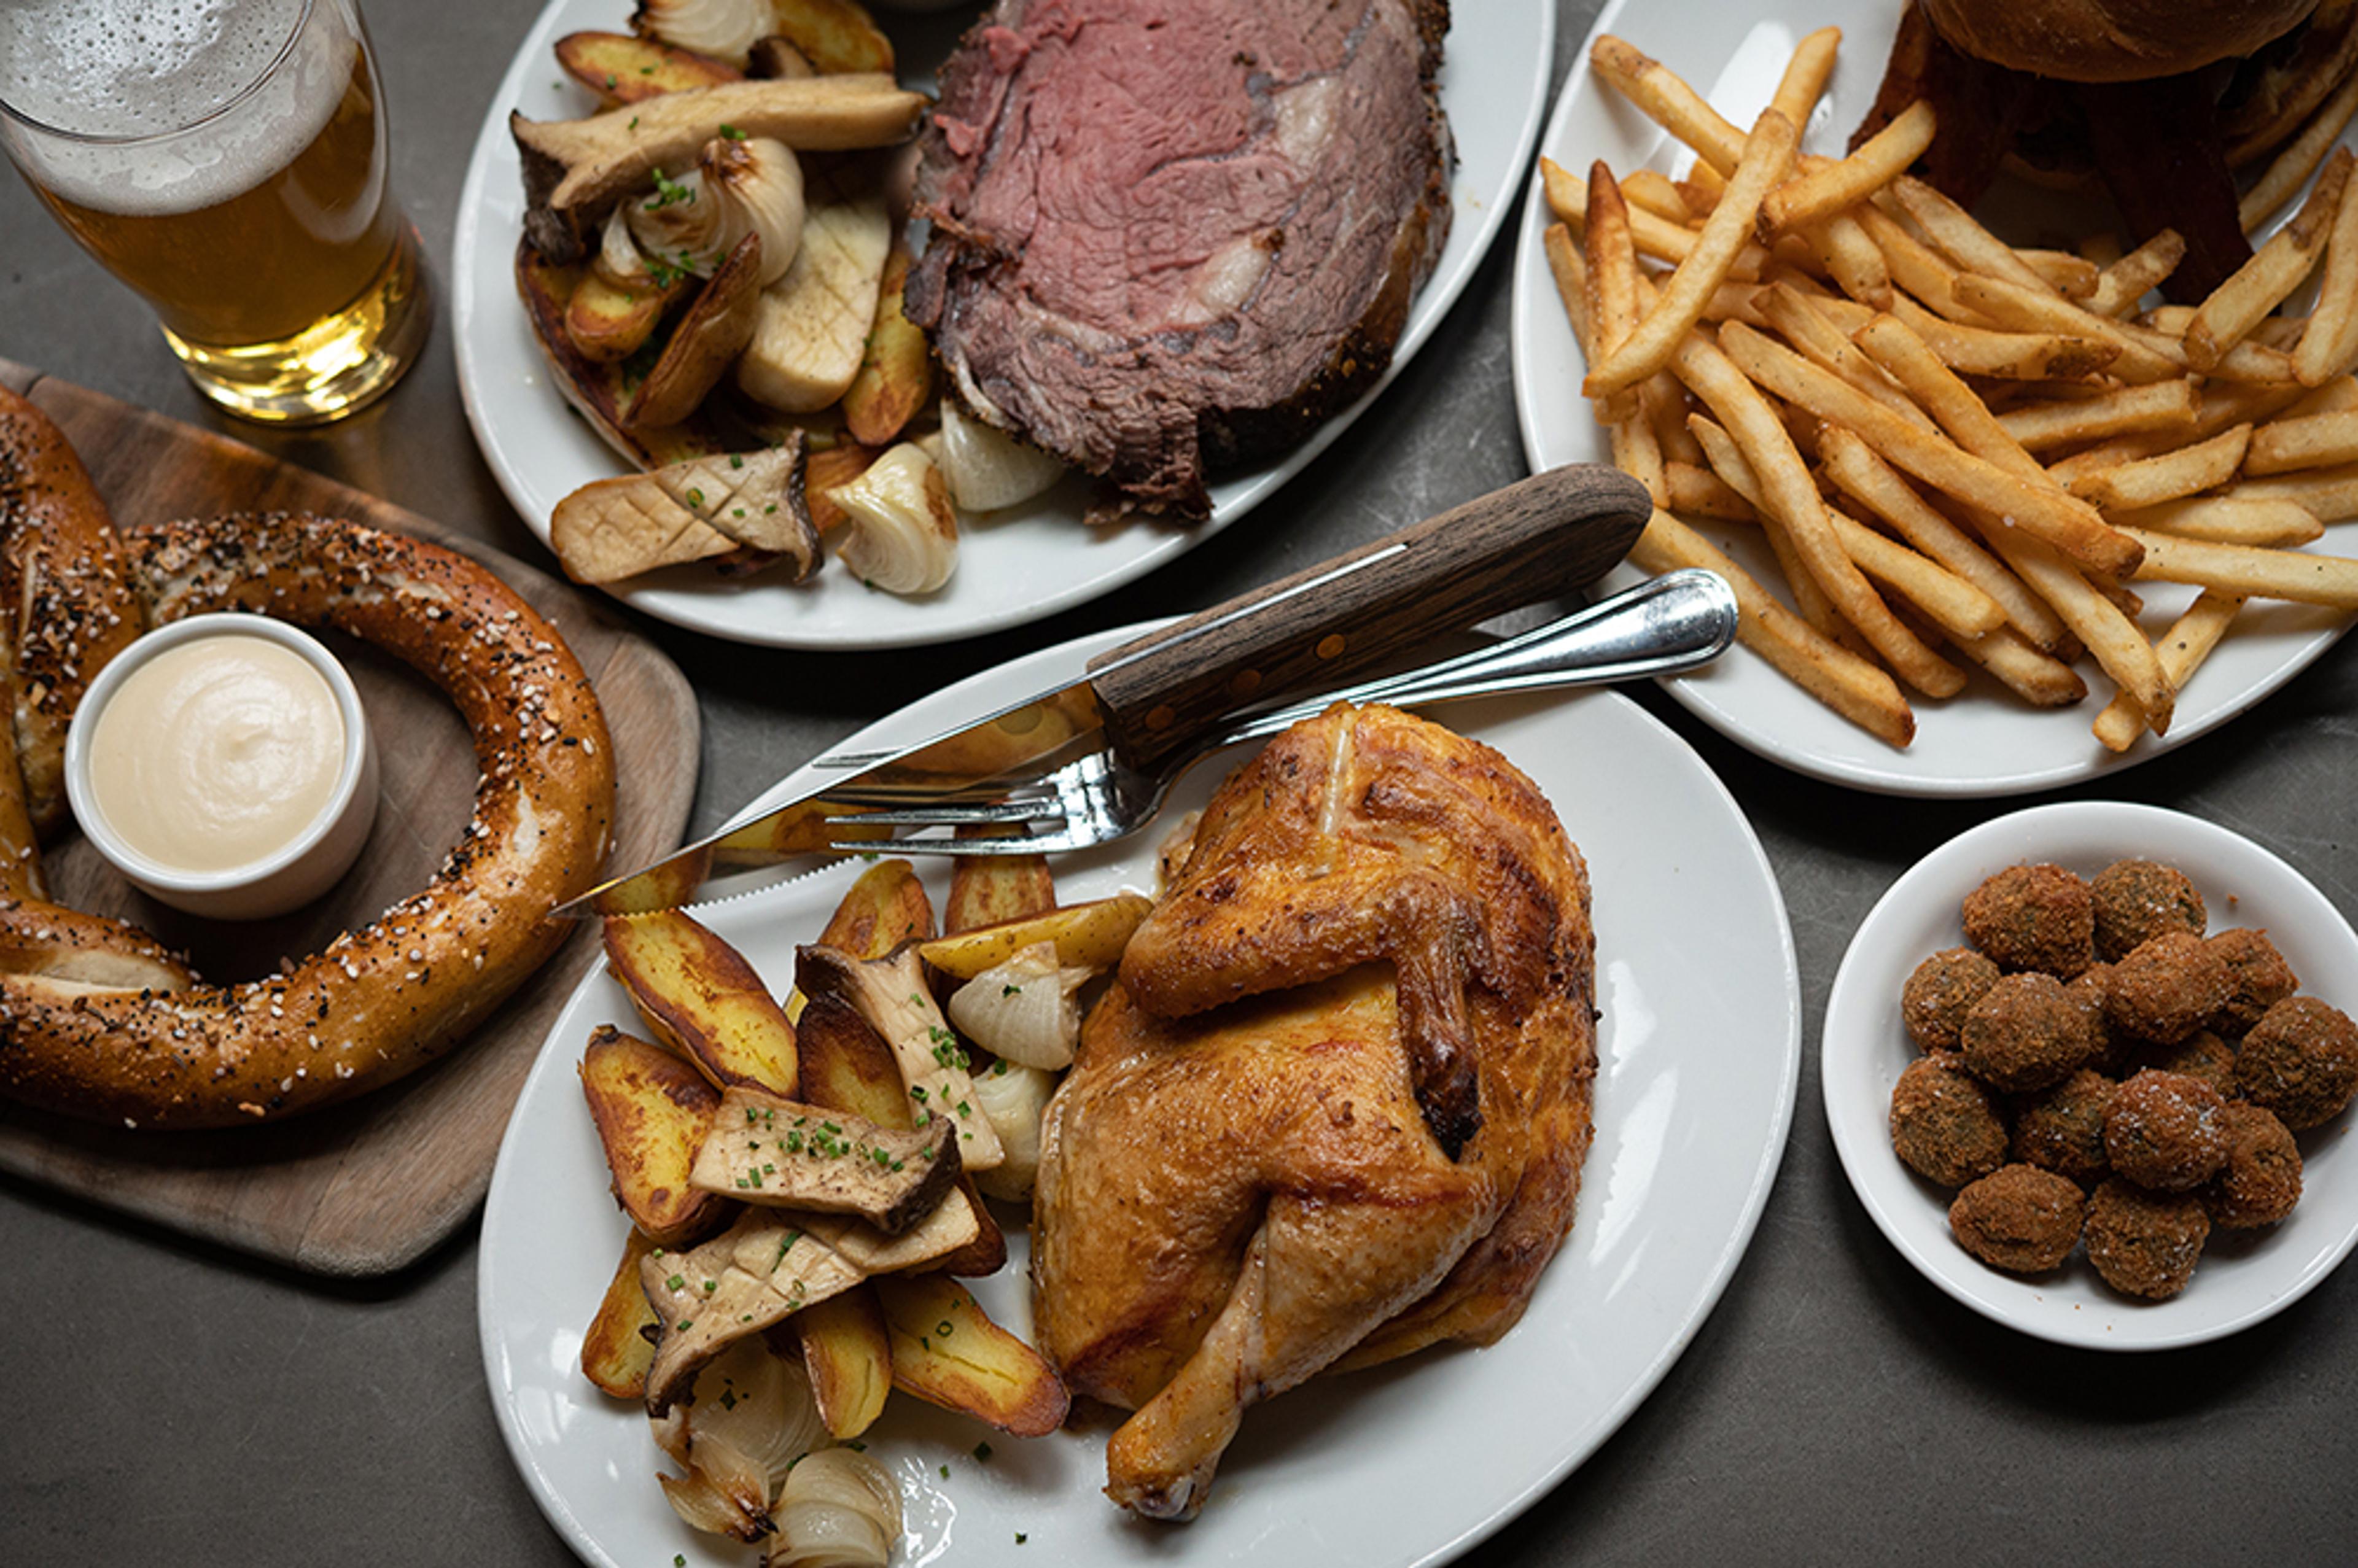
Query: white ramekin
{"type": "Point", "coordinates": [294, 875]}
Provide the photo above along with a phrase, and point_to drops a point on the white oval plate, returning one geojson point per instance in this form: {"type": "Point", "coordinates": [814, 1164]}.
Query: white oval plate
{"type": "Point", "coordinates": [2243, 1277]}
{"type": "Point", "coordinates": [1699, 1055]}
{"type": "Point", "coordinates": [1018, 566]}
{"type": "Point", "coordinates": [1984, 741]}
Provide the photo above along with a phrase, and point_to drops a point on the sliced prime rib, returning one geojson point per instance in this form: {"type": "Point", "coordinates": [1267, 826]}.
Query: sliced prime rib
{"type": "Point", "coordinates": [1171, 236]}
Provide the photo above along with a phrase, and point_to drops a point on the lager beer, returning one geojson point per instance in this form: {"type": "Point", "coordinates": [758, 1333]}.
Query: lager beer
{"type": "Point", "coordinates": [226, 158]}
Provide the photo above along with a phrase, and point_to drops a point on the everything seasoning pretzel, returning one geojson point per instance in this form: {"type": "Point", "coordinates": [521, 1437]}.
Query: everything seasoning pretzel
{"type": "Point", "coordinates": [95, 1020]}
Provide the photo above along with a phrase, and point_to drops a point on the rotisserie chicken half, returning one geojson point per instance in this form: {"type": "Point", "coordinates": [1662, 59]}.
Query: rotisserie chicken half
{"type": "Point", "coordinates": [1335, 1109]}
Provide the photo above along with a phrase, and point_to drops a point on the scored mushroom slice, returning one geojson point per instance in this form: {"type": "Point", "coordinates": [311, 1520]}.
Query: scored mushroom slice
{"type": "Point", "coordinates": [892, 994]}
{"type": "Point", "coordinates": [575, 170]}
{"type": "Point", "coordinates": [781, 1154]}
{"type": "Point", "coordinates": [697, 510]}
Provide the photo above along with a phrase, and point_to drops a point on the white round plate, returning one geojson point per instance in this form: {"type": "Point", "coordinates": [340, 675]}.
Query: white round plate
{"type": "Point", "coordinates": [2243, 1276]}
{"type": "Point", "coordinates": [1984, 741]}
{"type": "Point", "coordinates": [1699, 1055]}
{"type": "Point", "coordinates": [1022, 564]}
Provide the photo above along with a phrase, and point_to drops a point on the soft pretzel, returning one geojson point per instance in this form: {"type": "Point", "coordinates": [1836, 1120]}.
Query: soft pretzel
{"type": "Point", "coordinates": [97, 1021]}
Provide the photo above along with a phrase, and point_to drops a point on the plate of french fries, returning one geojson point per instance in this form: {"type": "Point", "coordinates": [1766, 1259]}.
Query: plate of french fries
{"type": "Point", "coordinates": [1997, 518]}
{"type": "Point", "coordinates": [1014, 563]}
{"type": "Point", "coordinates": [1407, 1463]}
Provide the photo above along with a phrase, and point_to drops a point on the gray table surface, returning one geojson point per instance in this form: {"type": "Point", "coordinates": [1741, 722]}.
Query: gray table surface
{"type": "Point", "coordinates": [179, 1403]}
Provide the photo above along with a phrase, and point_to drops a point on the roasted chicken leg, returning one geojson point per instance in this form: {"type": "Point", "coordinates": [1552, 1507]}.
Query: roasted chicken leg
{"type": "Point", "coordinates": [1335, 1108]}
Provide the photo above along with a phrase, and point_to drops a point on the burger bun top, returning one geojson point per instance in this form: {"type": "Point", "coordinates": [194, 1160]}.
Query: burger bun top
{"type": "Point", "coordinates": [2112, 40]}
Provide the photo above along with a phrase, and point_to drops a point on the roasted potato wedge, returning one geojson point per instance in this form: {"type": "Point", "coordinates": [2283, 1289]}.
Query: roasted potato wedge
{"type": "Point", "coordinates": [614, 1354]}
{"type": "Point", "coordinates": [601, 391]}
{"type": "Point", "coordinates": [652, 1111]}
{"type": "Point", "coordinates": [834, 35]}
{"type": "Point", "coordinates": [996, 888]}
{"type": "Point", "coordinates": [622, 69]}
{"type": "Point", "coordinates": [605, 322]}
{"type": "Point", "coordinates": [948, 1352]}
{"type": "Point", "coordinates": [886, 907]}
{"type": "Point", "coordinates": [896, 368]}
{"type": "Point", "coordinates": [1088, 935]}
{"type": "Point", "coordinates": [849, 1356]}
{"type": "Point", "coordinates": [702, 999]}
{"type": "Point", "coordinates": [706, 343]}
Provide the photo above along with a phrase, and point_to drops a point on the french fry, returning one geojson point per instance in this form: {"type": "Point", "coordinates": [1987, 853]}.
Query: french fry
{"type": "Point", "coordinates": [1657, 338]}
{"type": "Point", "coordinates": [1613, 301]}
{"type": "Point", "coordinates": [2290, 170]}
{"type": "Point", "coordinates": [2222, 519]}
{"type": "Point", "coordinates": [1868, 479]}
{"type": "Point", "coordinates": [1916, 266]}
{"type": "Point", "coordinates": [2073, 277]}
{"type": "Point", "coordinates": [2330, 340]}
{"type": "Point", "coordinates": [1952, 229]}
{"type": "Point", "coordinates": [2294, 575]}
{"type": "Point", "coordinates": [2317, 441]}
{"type": "Point", "coordinates": [2167, 406]}
{"type": "Point", "coordinates": [2330, 495]}
{"type": "Point", "coordinates": [2039, 678]}
{"type": "Point", "coordinates": [1650, 190]}
{"type": "Point", "coordinates": [2128, 281]}
{"type": "Point", "coordinates": [1851, 259]}
{"type": "Point", "coordinates": [1810, 599]}
{"type": "Point", "coordinates": [1958, 608]}
{"type": "Point", "coordinates": [2099, 622]}
{"type": "Point", "coordinates": [1653, 234]}
{"type": "Point", "coordinates": [1806, 74]}
{"type": "Point", "coordinates": [2182, 651]}
{"type": "Point", "coordinates": [2276, 269]}
{"type": "Point", "coordinates": [1790, 497]}
{"type": "Point", "coordinates": [2006, 356]}
{"type": "Point", "coordinates": [1809, 330]}
{"type": "Point", "coordinates": [1842, 680]}
{"type": "Point", "coordinates": [2335, 396]}
{"type": "Point", "coordinates": [1904, 356]}
{"type": "Point", "coordinates": [1836, 186]}
{"type": "Point", "coordinates": [1571, 275]}
{"type": "Point", "coordinates": [1697, 491]}
{"type": "Point", "coordinates": [2166, 476]}
{"type": "Point", "coordinates": [1665, 403]}
{"type": "Point", "coordinates": [2046, 510]}
{"type": "Point", "coordinates": [2041, 309]}
{"type": "Point", "coordinates": [1663, 97]}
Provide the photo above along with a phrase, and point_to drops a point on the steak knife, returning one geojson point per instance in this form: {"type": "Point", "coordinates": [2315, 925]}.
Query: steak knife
{"type": "Point", "coordinates": [1538, 539]}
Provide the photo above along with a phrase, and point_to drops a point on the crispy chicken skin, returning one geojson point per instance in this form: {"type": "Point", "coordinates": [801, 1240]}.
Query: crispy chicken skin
{"type": "Point", "coordinates": [1335, 1109]}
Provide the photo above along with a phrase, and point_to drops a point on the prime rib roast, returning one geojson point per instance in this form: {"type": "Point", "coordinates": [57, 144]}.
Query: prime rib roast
{"type": "Point", "coordinates": [1169, 237]}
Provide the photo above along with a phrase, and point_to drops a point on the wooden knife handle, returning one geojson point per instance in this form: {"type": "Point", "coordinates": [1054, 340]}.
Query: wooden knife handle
{"type": "Point", "coordinates": [1537, 539]}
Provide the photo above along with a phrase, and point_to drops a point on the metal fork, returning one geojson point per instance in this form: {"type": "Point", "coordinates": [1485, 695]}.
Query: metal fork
{"type": "Point", "coordinates": [1670, 624]}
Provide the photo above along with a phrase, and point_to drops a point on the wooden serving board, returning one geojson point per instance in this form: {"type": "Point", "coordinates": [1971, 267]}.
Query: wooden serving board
{"type": "Point", "coordinates": [365, 1187]}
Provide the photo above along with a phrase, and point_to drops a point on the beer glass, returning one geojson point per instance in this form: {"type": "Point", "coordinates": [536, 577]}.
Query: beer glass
{"type": "Point", "coordinates": [226, 158]}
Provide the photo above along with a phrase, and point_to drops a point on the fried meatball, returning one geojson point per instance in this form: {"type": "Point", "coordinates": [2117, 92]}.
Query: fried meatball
{"type": "Point", "coordinates": [2201, 1055]}
{"type": "Point", "coordinates": [2024, 1033]}
{"type": "Point", "coordinates": [2165, 1131]}
{"type": "Point", "coordinates": [2262, 1180]}
{"type": "Point", "coordinates": [2301, 1060]}
{"type": "Point", "coordinates": [1934, 1000]}
{"type": "Point", "coordinates": [2166, 988]}
{"type": "Point", "coordinates": [2143, 1244]}
{"type": "Point", "coordinates": [2063, 1129]}
{"type": "Point", "coordinates": [1944, 1126]}
{"type": "Point", "coordinates": [2018, 1218]}
{"type": "Point", "coordinates": [2136, 900]}
{"type": "Point", "coordinates": [2114, 1052]}
{"type": "Point", "coordinates": [2034, 917]}
{"type": "Point", "coordinates": [2258, 978]}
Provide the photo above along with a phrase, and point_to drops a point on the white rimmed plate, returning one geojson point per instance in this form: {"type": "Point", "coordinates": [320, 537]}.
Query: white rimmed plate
{"type": "Point", "coordinates": [1020, 566]}
{"type": "Point", "coordinates": [1699, 1055]}
{"type": "Point", "coordinates": [2243, 1277]}
{"type": "Point", "coordinates": [1984, 742]}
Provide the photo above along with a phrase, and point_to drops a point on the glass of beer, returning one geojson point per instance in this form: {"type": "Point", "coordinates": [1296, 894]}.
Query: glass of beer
{"type": "Point", "coordinates": [226, 158]}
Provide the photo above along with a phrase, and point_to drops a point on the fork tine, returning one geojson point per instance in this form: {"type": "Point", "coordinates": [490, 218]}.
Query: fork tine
{"type": "Point", "coordinates": [981, 813]}
{"type": "Point", "coordinates": [1039, 844]}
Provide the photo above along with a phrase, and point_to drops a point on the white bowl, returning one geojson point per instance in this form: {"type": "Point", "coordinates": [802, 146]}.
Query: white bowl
{"type": "Point", "coordinates": [307, 865]}
{"type": "Point", "coordinates": [2245, 1276]}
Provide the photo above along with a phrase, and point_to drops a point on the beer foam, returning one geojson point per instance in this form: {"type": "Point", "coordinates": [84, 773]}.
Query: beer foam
{"type": "Point", "coordinates": [115, 68]}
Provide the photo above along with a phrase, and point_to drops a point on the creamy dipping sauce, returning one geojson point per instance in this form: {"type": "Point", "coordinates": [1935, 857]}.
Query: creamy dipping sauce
{"type": "Point", "coordinates": [216, 752]}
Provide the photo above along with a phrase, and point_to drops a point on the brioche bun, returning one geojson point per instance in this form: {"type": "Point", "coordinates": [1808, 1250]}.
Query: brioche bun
{"type": "Point", "coordinates": [2112, 40]}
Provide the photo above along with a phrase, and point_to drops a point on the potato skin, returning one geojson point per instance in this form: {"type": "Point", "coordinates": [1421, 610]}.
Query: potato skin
{"type": "Point", "coordinates": [651, 1111]}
